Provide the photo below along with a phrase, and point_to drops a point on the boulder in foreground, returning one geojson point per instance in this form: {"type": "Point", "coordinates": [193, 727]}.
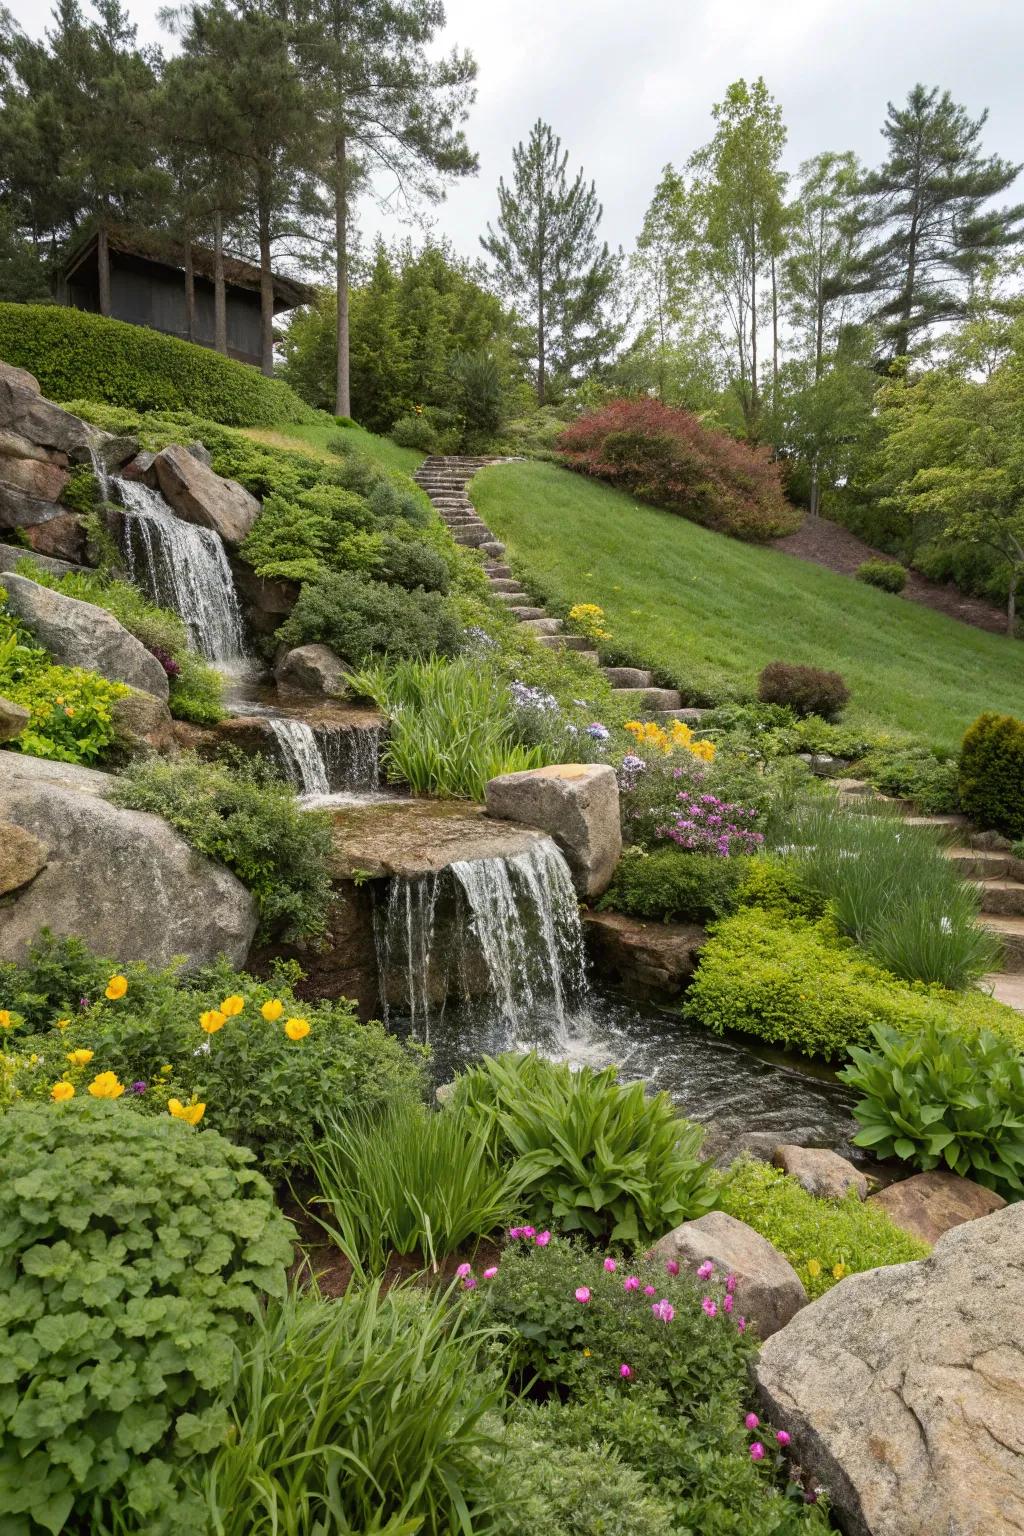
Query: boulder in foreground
{"type": "Point", "coordinates": [768, 1292]}
{"type": "Point", "coordinates": [79, 634]}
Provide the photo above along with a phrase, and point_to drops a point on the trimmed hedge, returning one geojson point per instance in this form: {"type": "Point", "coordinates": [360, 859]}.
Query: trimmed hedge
{"type": "Point", "coordinates": [76, 355]}
{"type": "Point", "coordinates": [992, 773]}
{"type": "Point", "coordinates": [886, 575]}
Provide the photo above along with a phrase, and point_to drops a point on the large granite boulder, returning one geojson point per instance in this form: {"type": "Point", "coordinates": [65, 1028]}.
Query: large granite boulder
{"type": "Point", "coordinates": [578, 804]}
{"type": "Point", "coordinates": [38, 477]}
{"type": "Point", "coordinates": [313, 669]}
{"type": "Point", "coordinates": [822, 1173]}
{"type": "Point", "coordinates": [929, 1204]}
{"type": "Point", "coordinates": [903, 1388]}
{"type": "Point", "coordinates": [13, 719]}
{"type": "Point", "coordinates": [12, 555]}
{"type": "Point", "coordinates": [81, 635]}
{"type": "Point", "coordinates": [123, 881]}
{"type": "Point", "coordinates": [24, 411]}
{"type": "Point", "coordinates": [768, 1291]}
{"type": "Point", "coordinates": [200, 496]}
{"type": "Point", "coordinates": [19, 377]}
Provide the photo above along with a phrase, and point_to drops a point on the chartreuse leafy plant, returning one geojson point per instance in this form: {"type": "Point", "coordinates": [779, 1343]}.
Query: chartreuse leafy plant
{"type": "Point", "coordinates": [71, 711]}
{"type": "Point", "coordinates": [588, 1153]}
{"type": "Point", "coordinates": [936, 1100]}
{"type": "Point", "coordinates": [133, 1252]}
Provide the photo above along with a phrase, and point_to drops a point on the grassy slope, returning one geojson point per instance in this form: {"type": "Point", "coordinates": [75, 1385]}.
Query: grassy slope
{"type": "Point", "coordinates": [708, 612]}
{"type": "Point", "coordinates": [290, 435]}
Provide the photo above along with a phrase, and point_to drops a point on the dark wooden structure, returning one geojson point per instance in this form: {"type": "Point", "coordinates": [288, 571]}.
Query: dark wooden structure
{"type": "Point", "coordinates": [149, 275]}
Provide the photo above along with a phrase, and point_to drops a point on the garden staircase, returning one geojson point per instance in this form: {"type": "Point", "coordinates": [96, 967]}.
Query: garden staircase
{"type": "Point", "coordinates": [446, 481]}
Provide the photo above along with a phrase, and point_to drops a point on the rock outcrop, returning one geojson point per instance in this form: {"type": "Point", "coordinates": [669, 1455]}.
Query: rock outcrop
{"type": "Point", "coordinates": [200, 496]}
{"type": "Point", "coordinates": [822, 1173]}
{"type": "Point", "coordinates": [24, 411]}
{"type": "Point", "coordinates": [11, 555]}
{"type": "Point", "coordinates": [81, 635]}
{"type": "Point", "coordinates": [649, 961]}
{"type": "Point", "coordinates": [13, 719]}
{"type": "Point", "coordinates": [929, 1204]}
{"type": "Point", "coordinates": [578, 804]}
{"type": "Point", "coordinates": [123, 881]}
{"type": "Point", "coordinates": [313, 669]}
{"type": "Point", "coordinates": [903, 1388]}
{"type": "Point", "coordinates": [22, 856]}
{"type": "Point", "coordinates": [769, 1292]}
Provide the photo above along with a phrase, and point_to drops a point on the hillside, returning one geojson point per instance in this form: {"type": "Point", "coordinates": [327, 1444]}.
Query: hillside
{"type": "Point", "coordinates": [707, 612]}
{"type": "Point", "coordinates": [318, 436]}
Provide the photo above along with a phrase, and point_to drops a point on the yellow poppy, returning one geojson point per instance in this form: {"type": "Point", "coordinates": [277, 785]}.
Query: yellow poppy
{"type": "Point", "coordinates": [106, 1086]}
{"type": "Point", "coordinates": [5, 1019]}
{"type": "Point", "coordinates": [190, 1113]}
{"type": "Point", "coordinates": [63, 1023]}
{"type": "Point", "coordinates": [838, 1271]}
{"type": "Point", "coordinates": [80, 1058]}
{"type": "Point", "coordinates": [117, 986]}
{"type": "Point", "coordinates": [211, 1021]}
{"type": "Point", "coordinates": [166, 1069]}
{"type": "Point", "coordinates": [232, 1005]}
{"type": "Point", "coordinates": [61, 1092]}
{"type": "Point", "coordinates": [296, 1029]}
{"type": "Point", "coordinates": [272, 1010]}
{"type": "Point", "coordinates": [813, 1268]}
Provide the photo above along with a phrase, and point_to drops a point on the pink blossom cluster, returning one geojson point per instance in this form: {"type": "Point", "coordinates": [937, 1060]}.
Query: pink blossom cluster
{"type": "Point", "coordinates": [706, 824]}
{"type": "Point", "coordinates": [465, 1274]}
{"type": "Point", "coordinates": [757, 1447]}
{"type": "Point", "coordinates": [529, 1235]}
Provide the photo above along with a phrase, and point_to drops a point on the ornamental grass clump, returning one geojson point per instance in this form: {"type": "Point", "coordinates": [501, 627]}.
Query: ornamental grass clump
{"type": "Point", "coordinates": [133, 1253]}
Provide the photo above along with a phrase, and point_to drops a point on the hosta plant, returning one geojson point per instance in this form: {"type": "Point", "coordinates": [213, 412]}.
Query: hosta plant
{"type": "Point", "coordinates": [935, 1099]}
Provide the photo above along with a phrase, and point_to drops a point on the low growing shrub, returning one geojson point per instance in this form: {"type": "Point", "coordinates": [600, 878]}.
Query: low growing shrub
{"type": "Point", "coordinates": [928, 779]}
{"type": "Point", "coordinates": [71, 711]}
{"type": "Point", "coordinates": [886, 575]}
{"type": "Point", "coordinates": [359, 618]}
{"type": "Point", "coordinates": [674, 887]}
{"type": "Point", "coordinates": [133, 1253]}
{"type": "Point", "coordinates": [415, 432]}
{"type": "Point", "coordinates": [804, 690]}
{"type": "Point", "coordinates": [992, 773]}
{"type": "Point", "coordinates": [935, 1100]}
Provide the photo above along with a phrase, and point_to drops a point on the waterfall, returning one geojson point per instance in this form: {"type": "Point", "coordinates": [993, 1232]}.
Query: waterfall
{"type": "Point", "coordinates": [185, 568]}
{"type": "Point", "coordinates": [300, 752]}
{"type": "Point", "coordinates": [352, 756]}
{"type": "Point", "coordinates": [505, 928]}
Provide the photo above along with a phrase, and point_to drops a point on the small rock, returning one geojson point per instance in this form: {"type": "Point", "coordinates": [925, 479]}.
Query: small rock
{"type": "Point", "coordinates": [199, 496]}
{"type": "Point", "coordinates": [13, 719]}
{"type": "Point", "coordinates": [313, 669]}
{"type": "Point", "coordinates": [930, 1204]}
{"type": "Point", "coordinates": [443, 1092]}
{"type": "Point", "coordinates": [19, 377]}
{"type": "Point", "coordinates": [22, 856]}
{"type": "Point", "coordinates": [201, 452]}
{"type": "Point", "coordinates": [144, 724]}
{"type": "Point", "coordinates": [578, 804]}
{"type": "Point", "coordinates": [822, 1173]}
{"type": "Point", "coordinates": [769, 1291]}
{"type": "Point", "coordinates": [140, 467]}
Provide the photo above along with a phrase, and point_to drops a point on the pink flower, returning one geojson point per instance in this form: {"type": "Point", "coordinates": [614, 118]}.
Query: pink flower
{"type": "Point", "coordinates": [542, 1239]}
{"type": "Point", "coordinates": [706, 1270]}
{"type": "Point", "coordinates": [529, 1231]}
{"type": "Point", "coordinates": [611, 1266]}
{"type": "Point", "coordinates": [751, 1421]}
{"type": "Point", "coordinates": [782, 1437]}
{"type": "Point", "coordinates": [672, 1266]}
{"type": "Point", "coordinates": [625, 1371]}
{"type": "Point", "coordinates": [582, 1295]}
{"type": "Point", "coordinates": [649, 1290]}
{"type": "Point", "coordinates": [515, 1232]}
{"type": "Point", "coordinates": [464, 1270]}
{"type": "Point", "coordinates": [757, 1451]}
{"type": "Point", "coordinates": [728, 1302]}
{"type": "Point", "coordinates": [664, 1311]}
{"type": "Point", "coordinates": [730, 1283]}
{"type": "Point", "coordinates": [741, 1325]}
{"type": "Point", "coordinates": [469, 1284]}
{"type": "Point", "coordinates": [489, 1274]}
{"type": "Point", "coordinates": [709, 1306]}
{"type": "Point", "coordinates": [631, 1283]}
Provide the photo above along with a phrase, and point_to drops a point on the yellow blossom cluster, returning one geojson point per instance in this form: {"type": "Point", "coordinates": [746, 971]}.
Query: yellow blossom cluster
{"type": "Point", "coordinates": [588, 619]}
{"type": "Point", "coordinates": [666, 739]}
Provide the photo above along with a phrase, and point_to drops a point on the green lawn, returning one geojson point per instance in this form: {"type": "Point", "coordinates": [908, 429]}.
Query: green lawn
{"type": "Point", "coordinates": [380, 448]}
{"type": "Point", "coordinates": [707, 612]}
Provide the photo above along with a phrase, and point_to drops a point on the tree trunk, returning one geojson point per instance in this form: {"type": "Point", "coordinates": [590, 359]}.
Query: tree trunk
{"type": "Point", "coordinates": [103, 266]}
{"type": "Point", "coordinates": [190, 288]}
{"type": "Point", "coordinates": [266, 295]}
{"type": "Point", "coordinates": [754, 400]}
{"type": "Point", "coordinates": [342, 396]}
{"type": "Point", "coordinates": [220, 304]}
{"type": "Point", "coordinates": [775, 339]}
{"type": "Point", "coordinates": [815, 497]}
{"type": "Point", "coordinates": [1011, 603]}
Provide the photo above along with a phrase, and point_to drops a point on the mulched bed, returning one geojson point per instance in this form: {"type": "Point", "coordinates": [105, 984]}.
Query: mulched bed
{"type": "Point", "coordinates": [836, 548]}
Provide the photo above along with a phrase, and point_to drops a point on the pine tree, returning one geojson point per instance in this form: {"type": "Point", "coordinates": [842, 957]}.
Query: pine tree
{"type": "Point", "coordinates": [550, 262]}
{"type": "Point", "coordinates": [927, 230]}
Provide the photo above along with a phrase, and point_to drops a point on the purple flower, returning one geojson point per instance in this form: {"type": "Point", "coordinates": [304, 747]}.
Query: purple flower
{"type": "Point", "coordinates": [469, 1284]}
{"type": "Point", "coordinates": [582, 1295]}
{"type": "Point", "coordinates": [741, 1324]}
{"type": "Point", "coordinates": [757, 1451]}
{"type": "Point", "coordinates": [631, 1283]}
{"type": "Point", "coordinates": [598, 732]}
{"type": "Point", "coordinates": [649, 1290]}
{"type": "Point", "coordinates": [782, 1437]}
{"type": "Point", "coordinates": [489, 1274]}
{"type": "Point", "coordinates": [664, 1311]}
{"type": "Point", "coordinates": [751, 1421]}
{"type": "Point", "coordinates": [672, 1266]}
{"type": "Point", "coordinates": [464, 1270]}
{"type": "Point", "coordinates": [542, 1239]}
{"type": "Point", "coordinates": [83, 1002]}
{"type": "Point", "coordinates": [730, 1283]}
{"type": "Point", "coordinates": [706, 1270]}
{"type": "Point", "coordinates": [611, 1266]}
{"type": "Point", "coordinates": [529, 1231]}
{"type": "Point", "coordinates": [710, 1307]}
{"type": "Point", "coordinates": [625, 1371]}
{"type": "Point", "coordinates": [728, 1302]}
{"type": "Point", "coordinates": [139, 1087]}
{"type": "Point", "coordinates": [515, 1232]}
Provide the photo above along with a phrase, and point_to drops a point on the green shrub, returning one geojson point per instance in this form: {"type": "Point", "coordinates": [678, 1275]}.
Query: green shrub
{"type": "Point", "coordinates": [415, 432]}
{"type": "Point", "coordinates": [369, 1414]}
{"type": "Point", "coordinates": [76, 355]}
{"type": "Point", "coordinates": [71, 715]}
{"type": "Point", "coordinates": [244, 816]}
{"type": "Point", "coordinates": [133, 1252]}
{"type": "Point", "coordinates": [886, 575]}
{"type": "Point", "coordinates": [929, 780]}
{"type": "Point", "coordinates": [411, 563]}
{"type": "Point", "coordinates": [672, 886]}
{"type": "Point", "coordinates": [587, 1152]}
{"type": "Point", "coordinates": [992, 773]}
{"type": "Point", "coordinates": [411, 1182]}
{"type": "Point", "coordinates": [778, 885]}
{"type": "Point", "coordinates": [359, 618]}
{"type": "Point", "coordinates": [937, 1100]}
{"type": "Point", "coordinates": [822, 1239]}
{"type": "Point", "coordinates": [81, 491]}
{"type": "Point", "coordinates": [804, 690]}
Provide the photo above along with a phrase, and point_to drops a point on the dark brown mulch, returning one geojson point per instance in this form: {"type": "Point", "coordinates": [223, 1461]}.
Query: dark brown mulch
{"type": "Point", "coordinates": [836, 548]}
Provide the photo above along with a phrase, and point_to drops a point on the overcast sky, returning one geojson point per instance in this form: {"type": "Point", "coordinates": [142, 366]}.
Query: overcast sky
{"type": "Point", "coordinates": [629, 84]}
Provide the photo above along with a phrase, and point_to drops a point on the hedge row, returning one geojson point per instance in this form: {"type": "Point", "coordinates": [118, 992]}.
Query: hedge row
{"type": "Point", "coordinates": [80, 356]}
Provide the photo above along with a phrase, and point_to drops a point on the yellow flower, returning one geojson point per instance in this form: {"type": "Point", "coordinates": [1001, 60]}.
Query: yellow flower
{"type": "Point", "coordinates": [272, 1010]}
{"type": "Point", "coordinates": [838, 1271]}
{"type": "Point", "coordinates": [80, 1058]}
{"type": "Point", "coordinates": [190, 1113]}
{"type": "Point", "coordinates": [211, 1021]}
{"type": "Point", "coordinates": [232, 1005]}
{"type": "Point", "coordinates": [106, 1086]}
{"type": "Point", "coordinates": [63, 1023]}
{"type": "Point", "coordinates": [296, 1029]}
{"type": "Point", "coordinates": [166, 1069]}
{"type": "Point", "coordinates": [813, 1268]}
{"type": "Point", "coordinates": [61, 1092]}
{"type": "Point", "coordinates": [33, 1059]}
{"type": "Point", "coordinates": [69, 711]}
{"type": "Point", "coordinates": [6, 1022]}
{"type": "Point", "coordinates": [117, 986]}
{"type": "Point", "coordinates": [586, 1354]}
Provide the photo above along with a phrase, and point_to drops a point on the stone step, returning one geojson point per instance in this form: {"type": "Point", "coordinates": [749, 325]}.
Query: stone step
{"type": "Point", "coordinates": [498, 570]}
{"type": "Point", "coordinates": [687, 716]}
{"type": "Point", "coordinates": [983, 863]}
{"type": "Point", "coordinates": [1010, 931]}
{"type": "Point", "coordinates": [493, 547]}
{"type": "Point", "coordinates": [1006, 987]}
{"type": "Point", "coordinates": [952, 823]}
{"type": "Point", "coordinates": [628, 677]}
{"type": "Point", "coordinates": [505, 584]}
{"type": "Point", "coordinates": [474, 538]}
{"type": "Point", "coordinates": [545, 626]}
{"type": "Point", "coordinates": [650, 699]}
{"type": "Point", "coordinates": [1001, 898]}
{"type": "Point", "coordinates": [566, 643]}
{"type": "Point", "coordinates": [514, 598]}
{"type": "Point", "coordinates": [527, 612]}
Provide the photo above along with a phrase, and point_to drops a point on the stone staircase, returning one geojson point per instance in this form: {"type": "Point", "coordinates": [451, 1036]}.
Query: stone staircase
{"type": "Point", "coordinates": [446, 482]}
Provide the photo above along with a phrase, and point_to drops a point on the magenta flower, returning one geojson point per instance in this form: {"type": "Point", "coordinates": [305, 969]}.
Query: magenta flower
{"type": "Point", "coordinates": [751, 1421]}
{"type": "Point", "coordinates": [611, 1266]}
{"type": "Point", "coordinates": [582, 1295]}
{"type": "Point", "coordinates": [542, 1239]}
{"type": "Point", "coordinates": [664, 1311]}
{"type": "Point", "coordinates": [489, 1274]}
{"type": "Point", "coordinates": [782, 1437]}
{"type": "Point", "coordinates": [631, 1283]}
{"type": "Point", "coordinates": [706, 1270]}
{"type": "Point", "coordinates": [757, 1451]}
{"type": "Point", "coordinates": [741, 1325]}
{"type": "Point", "coordinates": [625, 1371]}
{"type": "Point", "coordinates": [730, 1283]}
{"type": "Point", "coordinates": [728, 1302]}
{"type": "Point", "coordinates": [672, 1266]}
{"type": "Point", "coordinates": [464, 1270]}
{"type": "Point", "coordinates": [710, 1308]}
{"type": "Point", "coordinates": [529, 1231]}
{"type": "Point", "coordinates": [515, 1232]}
{"type": "Point", "coordinates": [649, 1290]}
{"type": "Point", "coordinates": [469, 1284]}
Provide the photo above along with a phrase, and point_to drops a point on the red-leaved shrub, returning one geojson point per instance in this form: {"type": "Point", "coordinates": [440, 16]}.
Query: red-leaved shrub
{"type": "Point", "coordinates": [807, 690]}
{"type": "Point", "coordinates": [665, 456]}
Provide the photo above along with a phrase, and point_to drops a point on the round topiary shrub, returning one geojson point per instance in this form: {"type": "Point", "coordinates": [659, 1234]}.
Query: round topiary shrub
{"type": "Point", "coordinates": [414, 432]}
{"type": "Point", "coordinates": [806, 690]}
{"type": "Point", "coordinates": [886, 575]}
{"type": "Point", "coordinates": [132, 1253]}
{"type": "Point", "coordinates": [992, 773]}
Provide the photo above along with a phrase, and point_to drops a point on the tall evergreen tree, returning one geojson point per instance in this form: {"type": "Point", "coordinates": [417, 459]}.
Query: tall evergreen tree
{"type": "Point", "coordinates": [926, 225]}
{"type": "Point", "coordinates": [551, 262]}
{"type": "Point", "coordinates": [383, 106]}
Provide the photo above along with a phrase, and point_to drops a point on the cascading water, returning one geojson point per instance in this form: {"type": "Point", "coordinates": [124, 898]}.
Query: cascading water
{"type": "Point", "coordinates": [300, 753]}
{"type": "Point", "coordinates": [505, 930]}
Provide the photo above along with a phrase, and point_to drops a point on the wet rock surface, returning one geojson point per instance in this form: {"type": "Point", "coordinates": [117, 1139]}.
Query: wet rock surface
{"type": "Point", "coordinates": [420, 837]}
{"type": "Point", "coordinates": [649, 961]}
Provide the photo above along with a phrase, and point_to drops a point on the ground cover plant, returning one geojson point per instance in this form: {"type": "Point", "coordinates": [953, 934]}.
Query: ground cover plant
{"type": "Point", "coordinates": [707, 613]}
{"type": "Point", "coordinates": [804, 690]}
{"type": "Point", "coordinates": [675, 887]}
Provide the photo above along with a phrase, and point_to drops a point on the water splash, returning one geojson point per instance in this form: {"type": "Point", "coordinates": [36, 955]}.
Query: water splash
{"type": "Point", "coordinates": [300, 754]}
{"type": "Point", "coordinates": [184, 567]}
